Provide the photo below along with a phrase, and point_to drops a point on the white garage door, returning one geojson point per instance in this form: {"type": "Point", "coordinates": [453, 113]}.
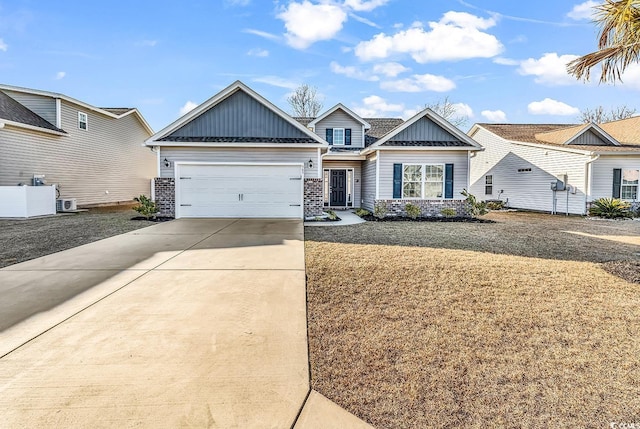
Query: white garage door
{"type": "Point", "coordinates": [239, 191]}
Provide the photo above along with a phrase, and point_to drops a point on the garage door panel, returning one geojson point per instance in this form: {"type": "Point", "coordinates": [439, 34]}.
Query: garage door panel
{"type": "Point", "coordinates": [240, 191]}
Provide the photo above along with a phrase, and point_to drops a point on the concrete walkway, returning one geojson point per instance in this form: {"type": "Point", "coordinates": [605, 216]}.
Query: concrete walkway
{"type": "Point", "coordinates": [190, 323]}
{"type": "Point", "coordinates": [347, 217]}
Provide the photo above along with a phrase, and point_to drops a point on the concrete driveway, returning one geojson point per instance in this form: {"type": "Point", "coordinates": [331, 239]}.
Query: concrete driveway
{"type": "Point", "coordinates": [190, 323]}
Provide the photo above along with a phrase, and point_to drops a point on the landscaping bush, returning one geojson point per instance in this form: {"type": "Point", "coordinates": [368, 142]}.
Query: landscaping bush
{"type": "Point", "coordinates": [476, 208]}
{"type": "Point", "coordinates": [412, 210]}
{"type": "Point", "coordinates": [495, 205]}
{"type": "Point", "coordinates": [448, 212]}
{"type": "Point", "coordinates": [332, 214]}
{"type": "Point", "coordinates": [380, 210]}
{"type": "Point", "coordinates": [362, 212]}
{"type": "Point", "coordinates": [610, 208]}
{"type": "Point", "coordinates": [145, 207]}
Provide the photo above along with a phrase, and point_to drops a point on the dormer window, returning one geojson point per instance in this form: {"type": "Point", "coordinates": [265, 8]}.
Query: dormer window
{"type": "Point", "coordinates": [83, 120]}
{"type": "Point", "coordinates": [338, 136]}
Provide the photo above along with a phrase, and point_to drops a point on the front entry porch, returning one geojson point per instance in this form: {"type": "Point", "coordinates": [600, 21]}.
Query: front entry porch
{"type": "Point", "coordinates": [341, 185]}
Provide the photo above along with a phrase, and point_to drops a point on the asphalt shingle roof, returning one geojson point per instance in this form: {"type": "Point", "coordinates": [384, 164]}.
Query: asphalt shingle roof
{"type": "Point", "coordinates": [11, 110]}
{"type": "Point", "coordinates": [117, 110]}
{"type": "Point", "coordinates": [427, 143]}
{"type": "Point", "coordinates": [208, 139]}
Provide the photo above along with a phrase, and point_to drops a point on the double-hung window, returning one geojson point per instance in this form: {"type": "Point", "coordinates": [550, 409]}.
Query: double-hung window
{"type": "Point", "coordinates": [338, 136]}
{"type": "Point", "coordinates": [488, 185]}
{"type": "Point", "coordinates": [83, 120]}
{"type": "Point", "coordinates": [422, 181]}
{"type": "Point", "coordinates": [629, 185]}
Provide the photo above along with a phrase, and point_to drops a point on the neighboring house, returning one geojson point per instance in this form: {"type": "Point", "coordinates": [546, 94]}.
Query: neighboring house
{"type": "Point", "coordinates": [521, 161]}
{"type": "Point", "coordinates": [238, 155]}
{"type": "Point", "coordinates": [95, 155]}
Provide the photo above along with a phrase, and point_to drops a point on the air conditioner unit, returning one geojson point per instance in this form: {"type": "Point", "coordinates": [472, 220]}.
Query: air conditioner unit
{"type": "Point", "coordinates": [66, 205]}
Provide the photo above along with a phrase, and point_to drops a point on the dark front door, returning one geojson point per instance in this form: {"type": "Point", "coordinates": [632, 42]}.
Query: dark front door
{"type": "Point", "coordinates": [338, 188]}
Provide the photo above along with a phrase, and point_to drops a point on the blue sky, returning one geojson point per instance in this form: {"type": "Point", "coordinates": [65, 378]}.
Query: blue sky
{"type": "Point", "coordinates": [497, 60]}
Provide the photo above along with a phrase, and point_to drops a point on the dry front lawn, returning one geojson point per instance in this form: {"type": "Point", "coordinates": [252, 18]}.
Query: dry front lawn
{"type": "Point", "coordinates": [476, 325]}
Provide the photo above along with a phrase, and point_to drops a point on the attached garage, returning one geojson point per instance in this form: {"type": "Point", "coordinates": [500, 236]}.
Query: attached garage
{"type": "Point", "coordinates": [244, 190]}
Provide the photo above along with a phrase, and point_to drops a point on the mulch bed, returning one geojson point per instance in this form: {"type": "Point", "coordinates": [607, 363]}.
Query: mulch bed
{"type": "Point", "coordinates": [153, 219]}
{"type": "Point", "coordinates": [626, 270]}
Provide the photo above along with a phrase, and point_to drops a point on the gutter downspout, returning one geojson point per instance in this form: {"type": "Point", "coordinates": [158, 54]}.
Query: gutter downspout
{"type": "Point", "coordinates": [587, 181]}
{"type": "Point", "coordinates": [469, 156]}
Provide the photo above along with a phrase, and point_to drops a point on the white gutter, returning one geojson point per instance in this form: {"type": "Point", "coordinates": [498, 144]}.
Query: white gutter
{"type": "Point", "coordinates": [587, 180]}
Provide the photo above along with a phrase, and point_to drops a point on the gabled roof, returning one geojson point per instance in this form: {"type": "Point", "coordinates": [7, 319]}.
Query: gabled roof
{"type": "Point", "coordinates": [14, 113]}
{"type": "Point", "coordinates": [162, 136]}
{"type": "Point", "coordinates": [569, 135]}
{"type": "Point", "coordinates": [626, 131]}
{"type": "Point", "coordinates": [345, 109]}
{"type": "Point", "coordinates": [561, 136]}
{"type": "Point", "coordinates": [458, 141]}
{"type": "Point", "coordinates": [116, 113]}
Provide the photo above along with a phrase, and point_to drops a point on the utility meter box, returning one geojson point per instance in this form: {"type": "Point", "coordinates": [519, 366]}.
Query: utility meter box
{"type": "Point", "coordinates": [560, 184]}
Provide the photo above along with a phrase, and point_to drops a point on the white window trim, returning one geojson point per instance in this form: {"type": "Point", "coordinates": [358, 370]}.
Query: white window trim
{"type": "Point", "coordinates": [86, 121]}
{"type": "Point", "coordinates": [622, 185]}
{"type": "Point", "coordinates": [422, 181]}
{"type": "Point", "coordinates": [486, 184]}
{"type": "Point", "coordinates": [343, 137]}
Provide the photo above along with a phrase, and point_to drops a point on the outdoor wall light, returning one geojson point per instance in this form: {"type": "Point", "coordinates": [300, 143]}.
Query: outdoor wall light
{"type": "Point", "coordinates": [311, 163]}
{"type": "Point", "coordinates": [166, 162]}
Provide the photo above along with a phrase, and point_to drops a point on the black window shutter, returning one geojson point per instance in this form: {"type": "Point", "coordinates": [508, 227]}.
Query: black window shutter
{"type": "Point", "coordinates": [448, 181]}
{"type": "Point", "coordinates": [347, 136]}
{"type": "Point", "coordinates": [397, 180]}
{"type": "Point", "coordinates": [329, 138]}
{"type": "Point", "coordinates": [617, 180]}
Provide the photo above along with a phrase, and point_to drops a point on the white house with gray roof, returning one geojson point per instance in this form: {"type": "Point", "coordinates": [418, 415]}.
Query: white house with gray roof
{"type": "Point", "coordinates": [95, 155]}
{"type": "Point", "coordinates": [585, 162]}
{"type": "Point", "coordinates": [238, 155]}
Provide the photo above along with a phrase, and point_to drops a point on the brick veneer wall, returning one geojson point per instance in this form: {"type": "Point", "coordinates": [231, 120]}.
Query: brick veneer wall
{"type": "Point", "coordinates": [427, 207]}
{"type": "Point", "coordinates": [166, 196]}
{"type": "Point", "coordinates": [313, 197]}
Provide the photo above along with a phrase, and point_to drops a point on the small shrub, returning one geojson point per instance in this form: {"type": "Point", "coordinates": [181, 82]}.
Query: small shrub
{"type": "Point", "coordinates": [380, 210]}
{"type": "Point", "coordinates": [412, 210]}
{"type": "Point", "coordinates": [146, 207]}
{"type": "Point", "coordinates": [495, 205]}
{"type": "Point", "coordinates": [476, 208]}
{"type": "Point", "coordinates": [362, 212]}
{"type": "Point", "coordinates": [332, 214]}
{"type": "Point", "coordinates": [610, 208]}
{"type": "Point", "coordinates": [448, 212]}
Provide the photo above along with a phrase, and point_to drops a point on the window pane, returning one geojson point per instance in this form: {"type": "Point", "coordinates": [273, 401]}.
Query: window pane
{"type": "Point", "coordinates": [411, 190]}
{"type": "Point", "coordinates": [338, 136]}
{"type": "Point", "coordinates": [349, 185]}
{"type": "Point", "coordinates": [433, 173]}
{"type": "Point", "coordinates": [412, 173]}
{"type": "Point", "coordinates": [629, 192]}
{"type": "Point", "coordinates": [488, 190]}
{"type": "Point", "coordinates": [326, 186]}
{"type": "Point", "coordinates": [488, 180]}
{"type": "Point", "coordinates": [433, 190]}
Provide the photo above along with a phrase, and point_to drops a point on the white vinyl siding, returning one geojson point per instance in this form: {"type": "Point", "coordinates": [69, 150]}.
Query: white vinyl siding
{"type": "Point", "coordinates": [369, 182]}
{"type": "Point", "coordinates": [240, 154]}
{"type": "Point", "coordinates": [388, 158]}
{"type": "Point", "coordinates": [602, 172]}
{"type": "Point", "coordinates": [357, 176]}
{"type": "Point", "coordinates": [339, 119]}
{"type": "Point", "coordinates": [525, 173]}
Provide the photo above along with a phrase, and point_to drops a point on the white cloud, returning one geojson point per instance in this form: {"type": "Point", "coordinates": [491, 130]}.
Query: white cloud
{"type": "Point", "coordinates": [307, 23]}
{"type": "Point", "coordinates": [257, 52]}
{"type": "Point", "coordinates": [457, 36]}
{"type": "Point", "coordinates": [506, 61]}
{"type": "Point", "coordinates": [549, 106]}
{"type": "Point", "coordinates": [462, 109]}
{"type": "Point", "coordinates": [375, 106]}
{"type": "Point", "coordinates": [240, 3]}
{"type": "Point", "coordinates": [262, 34]}
{"type": "Point", "coordinates": [364, 20]}
{"type": "Point", "coordinates": [364, 5]}
{"type": "Point", "coordinates": [277, 81]}
{"type": "Point", "coordinates": [3, 46]}
{"type": "Point", "coordinates": [188, 107]}
{"type": "Point", "coordinates": [352, 72]}
{"type": "Point", "coordinates": [583, 10]}
{"type": "Point", "coordinates": [60, 75]}
{"type": "Point", "coordinates": [550, 69]}
{"type": "Point", "coordinates": [419, 83]}
{"type": "Point", "coordinates": [494, 115]}
{"type": "Point", "coordinates": [390, 69]}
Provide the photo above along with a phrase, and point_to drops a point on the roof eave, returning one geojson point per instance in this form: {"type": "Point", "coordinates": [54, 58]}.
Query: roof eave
{"type": "Point", "coordinates": [4, 122]}
{"type": "Point", "coordinates": [235, 145]}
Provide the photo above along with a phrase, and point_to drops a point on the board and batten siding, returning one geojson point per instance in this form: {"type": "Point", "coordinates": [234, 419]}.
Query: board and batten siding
{"type": "Point", "coordinates": [589, 138]}
{"type": "Point", "coordinates": [357, 176]}
{"type": "Point", "coordinates": [508, 164]}
{"type": "Point", "coordinates": [249, 155]}
{"type": "Point", "coordinates": [109, 156]}
{"type": "Point", "coordinates": [424, 130]}
{"type": "Point", "coordinates": [369, 182]}
{"type": "Point", "coordinates": [239, 115]}
{"type": "Point", "coordinates": [339, 119]}
{"type": "Point", "coordinates": [602, 173]}
{"type": "Point", "coordinates": [388, 158]}
{"type": "Point", "coordinates": [39, 104]}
